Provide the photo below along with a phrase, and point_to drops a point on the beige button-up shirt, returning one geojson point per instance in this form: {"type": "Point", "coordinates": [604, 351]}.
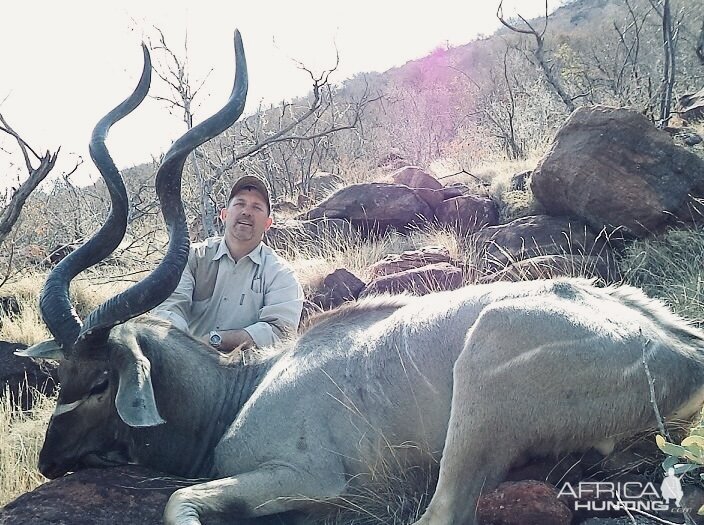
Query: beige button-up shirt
{"type": "Point", "coordinates": [260, 293]}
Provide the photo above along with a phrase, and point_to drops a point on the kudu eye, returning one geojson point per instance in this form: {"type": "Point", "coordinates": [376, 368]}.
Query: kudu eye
{"type": "Point", "coordinates": [100, 386]}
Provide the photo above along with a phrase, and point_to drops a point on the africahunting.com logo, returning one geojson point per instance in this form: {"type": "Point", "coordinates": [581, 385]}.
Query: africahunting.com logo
{"type": "Point", "coordinates": [599, 496]}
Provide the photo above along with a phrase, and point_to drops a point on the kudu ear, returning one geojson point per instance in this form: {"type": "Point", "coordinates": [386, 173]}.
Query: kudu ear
{"type": "Point", "coordinates": [48, 349]}
{"type": "Point", "coordinates": [135, 401]}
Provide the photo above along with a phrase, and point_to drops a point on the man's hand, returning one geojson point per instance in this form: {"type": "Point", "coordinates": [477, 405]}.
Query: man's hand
{"type": "Point", "coordinates": [232, 339]}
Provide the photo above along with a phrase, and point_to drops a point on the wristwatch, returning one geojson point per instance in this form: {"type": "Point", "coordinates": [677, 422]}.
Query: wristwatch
{"type": "Point", "coordinates": [215, 339]}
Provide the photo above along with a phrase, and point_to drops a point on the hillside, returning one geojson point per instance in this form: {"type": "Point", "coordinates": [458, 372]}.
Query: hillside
{"type": "Point", "coordinates": [484, 108]}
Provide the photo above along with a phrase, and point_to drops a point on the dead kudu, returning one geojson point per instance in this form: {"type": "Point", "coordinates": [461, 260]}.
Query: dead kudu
{"type": "Point", "coordinates": [538, 367]}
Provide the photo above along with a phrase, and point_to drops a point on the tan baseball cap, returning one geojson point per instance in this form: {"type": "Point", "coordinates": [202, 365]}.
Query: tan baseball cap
{"type": "Point", "coordinates": [253, 182]}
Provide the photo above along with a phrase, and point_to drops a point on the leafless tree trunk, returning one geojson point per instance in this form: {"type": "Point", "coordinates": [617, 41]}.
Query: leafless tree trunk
{"type": "Point", "coordinates": [700, 44]}
{"type": "Point", "coordinates": [539, 53]}
{"type": "Point", "coordinates": [668, 73]}
{"type": "Point", "coordinates": [11, 212]}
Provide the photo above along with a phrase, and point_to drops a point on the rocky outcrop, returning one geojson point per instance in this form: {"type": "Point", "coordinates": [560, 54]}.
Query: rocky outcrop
{"type": "Point", "coordinates": [130, 495]}
{"type": "Point", "coordinates": [467, 213]}
{"type": "Point", "coordinates": [550, 266]}
{"type": "Point", "coordinates": [612, 168]}
{"type": "Point", "coordinates": [535, 236]}
{"type": "Point", "coordinates": [375, 206]}
{"type": "Point", "coordinates": [399, 262]}
{"type": "Point", "coordinates": [417, 281]}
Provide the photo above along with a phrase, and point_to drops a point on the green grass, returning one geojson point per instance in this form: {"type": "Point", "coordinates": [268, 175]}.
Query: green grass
{"type": "Point", "coordinates": [669, 267]}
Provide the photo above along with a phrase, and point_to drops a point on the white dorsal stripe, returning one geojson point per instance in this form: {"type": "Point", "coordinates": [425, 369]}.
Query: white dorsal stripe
{"type": "Point", "coordinates": [62, 408]}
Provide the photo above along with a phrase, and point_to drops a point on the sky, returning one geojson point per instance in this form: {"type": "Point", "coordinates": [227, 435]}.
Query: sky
{"type": "Point", "coordinates": [64, 64]}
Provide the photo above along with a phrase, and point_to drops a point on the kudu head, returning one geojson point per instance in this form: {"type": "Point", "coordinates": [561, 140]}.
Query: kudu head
{"type": "Point", "coordinates": [104, 376]}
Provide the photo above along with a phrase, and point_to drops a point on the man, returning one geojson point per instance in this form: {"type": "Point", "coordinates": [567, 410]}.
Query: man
{"type": "Point", "coordinates": [235, 290]}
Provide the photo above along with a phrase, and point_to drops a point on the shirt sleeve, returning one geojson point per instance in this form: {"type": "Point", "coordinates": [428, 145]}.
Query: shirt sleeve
{"type": "Point", "coordinates": [281, 313]}
{"type": "Point", "coordinates": [177, 308]}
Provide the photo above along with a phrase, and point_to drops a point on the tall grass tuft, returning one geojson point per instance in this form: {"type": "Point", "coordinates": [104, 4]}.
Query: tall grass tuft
{"type": "Point", "coordinates": [669, 267]}
{"type": "Point", "coordinates": [21, 438]}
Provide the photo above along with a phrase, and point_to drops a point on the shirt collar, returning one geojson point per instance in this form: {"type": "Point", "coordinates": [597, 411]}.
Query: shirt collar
{"type": "Point", "coordinates": [255, 255]}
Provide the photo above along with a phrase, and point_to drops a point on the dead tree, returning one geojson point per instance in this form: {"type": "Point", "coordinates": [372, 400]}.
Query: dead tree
{"type": "Point", "coordinates": [11, 212]}
{"type": "Point", "coordinates": [293, 124]}
{"type": "Point", "coordinates": [700, 44]}
{"type": "Point", "coordinates": [669, 36]}
{"type": "Point", "coordinates": [539, 53]}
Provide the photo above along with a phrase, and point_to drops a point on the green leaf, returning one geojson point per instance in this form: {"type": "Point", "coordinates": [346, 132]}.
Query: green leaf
{"type": "Point", "coordinates": [670, 462]}
{"type": "Point", "coordinates": [684, 468]}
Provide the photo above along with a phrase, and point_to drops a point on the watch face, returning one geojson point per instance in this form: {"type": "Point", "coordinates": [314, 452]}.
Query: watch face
{"type": "Point", "coordinates": [215, 338]}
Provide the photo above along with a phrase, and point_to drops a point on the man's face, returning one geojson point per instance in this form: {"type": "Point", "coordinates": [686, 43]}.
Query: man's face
{"type": "Point", "coordinates": [246, 217]}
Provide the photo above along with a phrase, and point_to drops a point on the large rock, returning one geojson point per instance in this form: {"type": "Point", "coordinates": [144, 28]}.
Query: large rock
{"type": "Point", "coordinates": [21, 376]}
{"type": "Point", "coordinates": [338, 287]}
{"type": "Point", "coordinates": [417, 281]}
{"type": "Point", "coordinates": [612, 167]}
{"type": "Point", "coordinates": [415, 177]}
{"type": "Point", "coordinates": [129, 495]}
{"type": "Point", "coordinates": [468, 213]}
{"type": "Point", "coordinates": [533, 236]}
{"type": "Point", "coordinates": [551, 266]}
{"type": "Point", "coordinates": [399, 262]}
{"type": "Point", "coordinates": [523, 503]}
{"type": "Point", "coordinates": [375, 206]}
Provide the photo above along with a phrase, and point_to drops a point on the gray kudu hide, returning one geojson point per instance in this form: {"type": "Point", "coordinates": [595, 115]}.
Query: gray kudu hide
{"type": "Point", "coordinates": [473, 379]}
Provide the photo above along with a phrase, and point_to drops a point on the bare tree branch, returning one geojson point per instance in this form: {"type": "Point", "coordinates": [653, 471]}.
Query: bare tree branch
{"type": "Point", "coordinates": [539, 53]}
{"type": "Point", "coordinates": [11, 212]}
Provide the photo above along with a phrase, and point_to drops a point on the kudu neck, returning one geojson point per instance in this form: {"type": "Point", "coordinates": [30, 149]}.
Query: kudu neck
{"type": "Point", "coordinates": [199, 396]}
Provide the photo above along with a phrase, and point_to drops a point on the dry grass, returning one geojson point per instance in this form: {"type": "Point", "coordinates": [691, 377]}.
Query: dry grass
{"type": "Point", "coordinates": [669, 267]}
{"type": "Point", "coordinates": [22, 433]}
{"type": "Point", "coordinates": [21, 438]}
{"type": "Point", "coordinates": [321, 256]}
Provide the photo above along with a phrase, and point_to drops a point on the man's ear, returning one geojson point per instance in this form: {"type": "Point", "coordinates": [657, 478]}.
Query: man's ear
{"type": "Point", "coordinates": [269, 221]}
{"type": "Point", "coordinates": [223, 214]}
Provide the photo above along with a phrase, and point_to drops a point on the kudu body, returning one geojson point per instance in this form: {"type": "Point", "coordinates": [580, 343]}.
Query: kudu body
{"type": "Point", "coordinates": [537, 367]}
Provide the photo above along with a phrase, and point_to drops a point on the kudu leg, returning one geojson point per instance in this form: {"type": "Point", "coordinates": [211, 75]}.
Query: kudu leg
{"type": "Point", "coordinates": [263, 492]}
{"type": "Point", "coordinates": [533, 379]}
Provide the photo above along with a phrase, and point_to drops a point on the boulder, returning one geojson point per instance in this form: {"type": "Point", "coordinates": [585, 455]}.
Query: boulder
{"type": "Point", "coordinates": [537, 235]}
{"type": "Point", "coordinates": [338, 287]}
{"type": "Point", "coordinates": [394, 262]}
{"type": "Point", "coordinates": [21, 376]}
{"type": "Point", "coordinates": [468, 213]}
{"type": "Point", "coordinates": [612, 168]}
{"type": "Point", "coordinates": [374, 206]}
{"type": "Point", "coordinates": [550, 266]}
{"type": "Point", "coordinates": [418, 281]}
{"type": "Point", "coordinates": [131, 495]}
{"type": "Point", "coordinates": [415, 177]}
{"type": "Point", "coordinates": [522, 503]}
{"type": "Point", "coordinates": [455, 190]}
{"type": "Point", "coordinates": [425, 185]}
